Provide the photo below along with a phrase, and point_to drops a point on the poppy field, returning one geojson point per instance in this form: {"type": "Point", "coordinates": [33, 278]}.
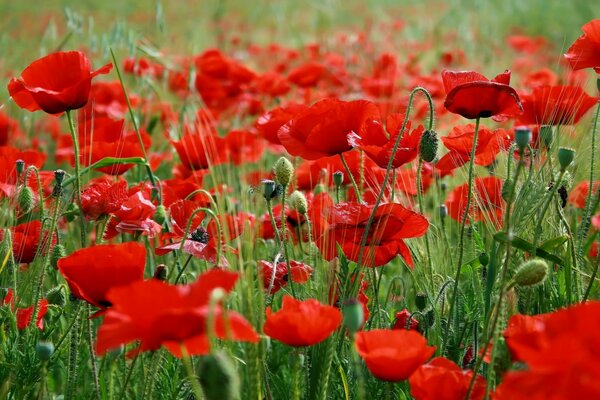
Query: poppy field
{"type": "Point", "coordinates": [315, 201]}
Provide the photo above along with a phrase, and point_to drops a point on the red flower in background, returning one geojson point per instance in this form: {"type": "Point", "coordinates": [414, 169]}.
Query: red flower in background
{"type": "Point", "coordinates": [472, 95]}
{"type": "Point", "coordinates": [242, 147]}
{"type": "Point", "coordinates": [26, 240]}
{"type": "Point", "coordinates": [269, 123]}
{"type": "Point", "coordinates": [402, 318]}
{"type": "Point", "coordinates": [107, 99]}
{"type": "Point", "coordinates": [158, 314]}
{"type": "Point", "coordinates": [91, 272]}
{"type": "Point", "coordinates": [8, 167]}
{"type": "Point", "coordinates": [24, 315]}
{"type": "Point", "coordinates": [487, 201]}
{"type": "Point", "coordinates": [392, 224]}
{"type": "Point", "coordinates": [308, 75]}
{"type": "Point", "coordinates": [555, 105]}
{"type": "Point", "coordinates": [102, 197]}
{"type": "Point", "coordinates": [9, 129]}
{"type": "Point", "coordinates": [585, 51]}
{"type": "Point", "coordinates": [441, 379]}
{"type": "Point", "coordinates": [460, 144]}
{"type": "Point", "coordinates": [392, 355]}
{"type": "Point", "coordinates": [134, 215]}
{"type": "Point", "coordinates": [55, 83]}
{"type": "Point", "coordinates": [199, 150]}
{"type": "Point", "coordinates": [578, 195]}
{"type": "Point", "coordinates": [278, 276]}
{"type": "Point", "coordinates": [302, 323]}
{"type": "Point", "coordinates": [323, 129]}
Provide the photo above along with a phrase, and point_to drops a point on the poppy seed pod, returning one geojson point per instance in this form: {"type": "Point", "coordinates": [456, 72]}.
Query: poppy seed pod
{"type": "Point", "coordinates": [25, 199]}
{"type": "Point", "coordinates": [522, 137]}
{"type": "Point", "coordinates": [298, 201]}
{"type": "Point", "coordinates": [354, 315]}
{"type": "Point", "coordinates": [428, 147]}
{"type": "Point", "coordinates": [283, 170]}
{"type": "Point", "coordinates": [338, 178]}
{"type": "Point", "coordinates": [58, 252]}
{"type": "Point", "coordinates": [218, 377]}
{"type": "Point", "coordinates": [270, 189]}
{"type": "Point", "coordinates": [44, 350]}
{"type": "Point", "coordinates": [421, 301]}
{"type": "Point", "coordinates": [531, 273]}
{"type": "Point", "coordinates": [565, 157]}
{"type": "Point", "coordinates": [160, 215]}
{"type": "Point", "coordinates": [20, 164]}
{"type": "Point", "coordinates": [484, 259]}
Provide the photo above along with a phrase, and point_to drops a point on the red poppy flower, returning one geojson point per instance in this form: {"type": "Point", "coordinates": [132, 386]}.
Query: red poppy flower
{"type": "Point", "coordinates": [269, 123]}
{"type": "Point", "coordinates": [523, 332]}
{"type": "Point", "coordinates": [441, 379]}
{"type": "Point", "coordinates": [55, 83]}
{"type": "Point", "coordinates": [460, 144]}
{"type": "Point", "coordinates": [9, 129]}
{"type": "Point", "coordinates": [134, 216]}
{"type": "Point", "coordinates": [406, 179]}
{"type": "Point", "coordinates": [578, 195]}
{"type": "Point", "coordinates": [308, 75]}
{"type": "Point", "coordinates": [277, 277]}
{"type": "Point", "coordinates": [324, 128]}
{"type": "Point", "coordinates": [26, 239]}
{"type": "Point", "coordinates": [555, 105]}
{"type": "Point", "coordinates": [24, 315]}
{"type": "Point", "coordinates": [392, 224]}
{"type": "Point", "coordinates": [8, 167]}
{"type": "Point", "coordinates": [107, 99]}
{"type": "Point", "coordinates": [378, 146]}
{"type": "Point", "coordinates": [91, 272]}
{"type": "Point", "coordinates": [158, 314]}
{"type": "Point", "coordinates": [401, 321]}
{"type": "Point", "coordinates": [242, 146]}
{"type": "Point", "coordinates": [102, 197]}
{"type": "Point", "coordinates": [487, 201]}
{"type": "Point", "coordinates": [302, 323]}
{"type": "Point", "coordinates": [392, 355]}
{"type": "Point", "coordinates": [585, 51]}
{"type": "Point", "coordinates": [199, 150]}
{"type": "Point", "coordinates": [472, 95]}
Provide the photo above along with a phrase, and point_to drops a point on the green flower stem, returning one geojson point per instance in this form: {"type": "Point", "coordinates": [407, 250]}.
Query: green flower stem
{"type": "Point", "coordinates": [592, 279]}
{"type": "Point", "coordinates": [90, 343]}
{"type": "Point", "coordinates": [73, 367]}
{"type": "Point", "coordinates": [275, 228]}
{"type": "Point", "coordinates": [351, 177]}
{"type": "Point", "coordinates": [546, 204]}
{"type": "Point", "coordinates": [461, 249]}
{"type": "Point", "coordinates": [296, 376]}
{"type": "Point", "coordinates": [77, 177]}
{"type": "Point", "coordinates": [420, 199]}
{"type": "Point", "coordinates": [187, 362]}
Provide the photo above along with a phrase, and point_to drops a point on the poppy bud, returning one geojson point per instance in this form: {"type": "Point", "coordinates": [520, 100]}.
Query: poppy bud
{"type": "Point", "coordinates": [58, 252]}
{"type": "Point", "coordinates": [161, 272]}
{"type": "Point", "coordinates": [531, 273]}
{"type": "Point", "coordinates": [354, 315]}
{"type": "Point", "coordinates": [507, 188]}
{"type": "Point", "coordinates": [283, 170]}
{"type": "Point", "coordinates": [428, 146]}
{"type": "Point", "coordinates": [421, 301]}
{"type": "Point", "coordinates": [443, 211]}
{"type": "Point", "coordinates": [44, 350]}
{"type": "Point", "coordinates": [270, 189]}
{"type": "Point", "coordinates": [298, 202]}
{"type": "Point", "coordinates": [160, 214]}
{"type": "Point", "coordinates": [319, 188]}
{"type": "Point", "coordinates": [218, 377]}
{"type": "Point", "coordinates": [59, 175]}
{"type": "Point", "coordinates": [565, 157]}
{"type": "Point", "coordinates": [20, 167]}
{"type": "Point", "coordinates": [443, 186]}
{"type": "Point", "coordinates": [546, 135]}
{"type": "Point", "coordinates": [57, 296]}
{"type": "Point", "coordinates": [71, 212]}
{"type": "Point", "coordinates": [522, 137]}
{"type": "Point", "coordinates": [484, 259]}
{"type": "Point", "coordinates": [338, 178]}
{"type": "Point", "coordinates": [25, 199]}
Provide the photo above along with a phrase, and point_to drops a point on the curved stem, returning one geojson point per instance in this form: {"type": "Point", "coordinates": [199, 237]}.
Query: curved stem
{"type": "Point", "coordinates": [351, 177]}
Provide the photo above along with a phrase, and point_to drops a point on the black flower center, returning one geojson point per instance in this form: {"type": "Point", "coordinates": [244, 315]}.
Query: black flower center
{"type": "Point", "coordinates": [200, 235]}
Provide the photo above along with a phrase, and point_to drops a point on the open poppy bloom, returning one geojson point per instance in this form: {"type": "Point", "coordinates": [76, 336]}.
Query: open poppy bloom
{"type": "Point", "coordinates": [269, 123]}
{"type": "Point", "coordinates": [392, 355]}
{"type": "Point", "coordinates": [302, 323]}
{"type": "Point", "coordinates": [441, 379]}
{"type": "Point", "coordinates": [134, 215]}
{"type": "Point", "coordinates": [561, 350]}
{"type": "Point", "coordinates": [324, 129]}
{"type": "Point", "coordinates": [200, 149]}
{"type": "Point", "coordinates": [460, 144]}
{"type": "Point", "coordinates": [392, 224]}
{"type": "Point", "coordinates": [585, 51]}
{"type": "Point", "coordinates": [487, 201]}
{"type": "Point", "coordinates": [26, 240]}
{"type": "Point", "coordinates": [402, 320]}
{"type": "Point", "coordinates": [579, 193]}
{"type": "Point", "coordinates": [278, 277]}
{"type": "Point", "coordinates": [555, 105]}
{"type": "Point", "coordinates": [102, 197]}
{"type": "Point", "coordinates": [158, 314]}
{"type": "Point", "coordinates": [91, 272]}
{"type": "Point", "coordinates": [24, 315]}
{"type": "Point", "coordinates": [55, 83]}
{"type": "Point", "coordinates": [473, 96]}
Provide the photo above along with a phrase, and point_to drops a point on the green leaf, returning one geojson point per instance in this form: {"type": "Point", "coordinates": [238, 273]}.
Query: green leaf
{"type": "Point", "coordinates": [524, 245]}
{"type": "Point", "coordinates": [554, 243]}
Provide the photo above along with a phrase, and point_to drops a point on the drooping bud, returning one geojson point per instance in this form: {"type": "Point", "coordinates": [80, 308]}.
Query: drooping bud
{"type": "Point", "coordinates": [44, 350]}
{"type": "Point", "coordinates": [546, 135]}
{"type": "Point", "coordinates": [531, 273]}
{"type": "Point", "coordinates": [283, 170]}
{"type": "Point", "coordinates": [25, 199]}
{"type": "Point", "coordinates": [338, 178]}
{"type": "Point", "coordinates": [270, 189]}
{"type": "Point", "coordinates": [507, 188]}
{"type": "Point", "coordinates": [57, 296]}
{"type": "Point", "coordinates": [421, 301]}
{"type": "Point", "coordinates": [428, 146]}
{"type": "Point", "coordinates": [298, 202]}
{"type": "Point", "coordinates": [218, 377]}
{"type": "Point", "coordinates": [522, 137]}
{"type": "Point", "coordinates": [354, 315]}
{"type": "Point", "coordinates": [58, 252]}
{"type": "Point", "coordinates": [565, 157]}
{"type": "Point", "coordinates": [160, 214]}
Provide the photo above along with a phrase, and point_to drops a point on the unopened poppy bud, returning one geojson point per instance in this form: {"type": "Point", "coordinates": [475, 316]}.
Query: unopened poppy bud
{"type": "Point", "coordinates": [565, 157]}
{"type": "Point", "coordinates": [354, 315]}
{"type": "Point", "coordinates": [484, 259]}
{"type": "Point", "coordinates": [338, 178]}
{"type": "Point", "coordinates": [443, 211]}
{"type": "Point", "coordinates": [522, 137]}
{"type": "Point", "coordinates": [25, 199]}
{"type": "Point", "coordinates": [44, 350]}
{"type": "Point", "coordinates": [218, 377]}
{"type": "Point", "coordinates": [71, 212]}
{"type": "Point", "coordinates": [283, 170]}
{"type": "Point", "coordinates": [160, 273]}
{"type": "Point", "coordinates": [546, 135]}
{"type": "Point", "coordinates": [160, 214]}
{"type": "Point", "coordinates": [319, 188]}
{"type": "Point", "coordinates": [429, 318]}
{"type": "Point", "coordinates": [428, 146]}
{"type": "Point", "coordinates": [59, 176]}
{"type": "Point", "coordinates": [531, 273]}
{"type": "Point", "coordinates": [270, 189]}
{"type": "Point", "coordinates": [507, 188]}
{"type": "Point", "coordinates": [421, 301]}
{"type": "Point", "coordinates": [298, 202]}
{"type": "Point", "coordinates": [58, 252]}
{"type": "Point", "coordinates": [20, 164]}
{"type": "Point", "coordinates": [57, 296]}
